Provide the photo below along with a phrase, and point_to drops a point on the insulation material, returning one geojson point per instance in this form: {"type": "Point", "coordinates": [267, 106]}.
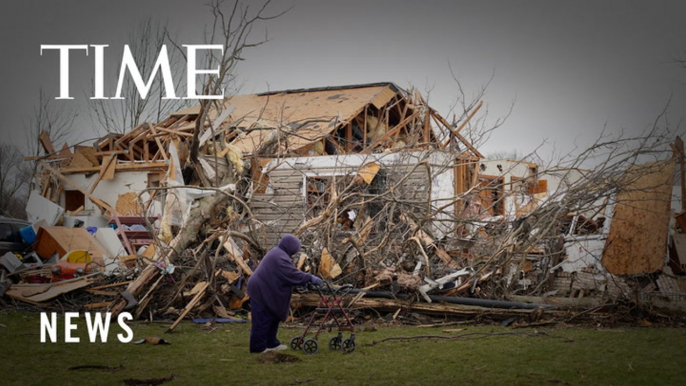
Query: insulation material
{"type": "Point", "coordinates": [235, 156]}
{"type": "Point", "coordinates": [316, 148]}
{"type": "Point", "coordinates": [375, 129]}
{"type": "Point", "coordinates": [637, 240]}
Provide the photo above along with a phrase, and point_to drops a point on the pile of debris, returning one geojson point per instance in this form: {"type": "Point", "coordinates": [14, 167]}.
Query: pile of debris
{"type": "Point", "coordinates": [170, 219]}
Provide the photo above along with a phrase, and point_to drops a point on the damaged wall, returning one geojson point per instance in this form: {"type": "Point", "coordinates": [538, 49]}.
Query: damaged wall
{"type": "Point", "coordinates": [286, 205]}
{"type": "Point", "coordinates": [123, 183]}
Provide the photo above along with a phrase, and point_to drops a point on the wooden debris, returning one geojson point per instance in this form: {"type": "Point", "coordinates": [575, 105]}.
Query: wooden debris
{"type": "Point", "coordinates": [128, 205]}
{"type": "Point", "coordinates": [328, 268]}
{"type": "Point", "coordinates": [636, 243]}
{"type": "Point", "coordinates": [61, 240]}
{"type": "Point", "coordinates": [369, 171]}
{"type": "Point", "coordinates": [235, 254]}
{"type": "Point", "coordinates": [95, 306]}
{"type": "Point", "coordinates": [392, 305]}
{"type": "Point", "coordinates": [45, 141]}
{"type": "Point", "coordinates": [69, 182]}
{"type": "Point", "coordinates": [37, 293]}
{"type": "Point", "coordinates": [189, 306]}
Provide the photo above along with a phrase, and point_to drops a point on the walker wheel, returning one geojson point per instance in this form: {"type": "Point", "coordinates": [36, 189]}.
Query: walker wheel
{"type": "Point", "coordinates": [296, 343]}
{"type": "Point", "coordinates": [348, 346]}
{"type": "Point", "coordinates": [335, 343]}
{"type": "Point", "coordinates": [310, 346]}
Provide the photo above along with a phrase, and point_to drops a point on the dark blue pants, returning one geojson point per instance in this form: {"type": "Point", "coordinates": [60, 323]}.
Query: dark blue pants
{"type": "Point", "coordinates": [264, 328]}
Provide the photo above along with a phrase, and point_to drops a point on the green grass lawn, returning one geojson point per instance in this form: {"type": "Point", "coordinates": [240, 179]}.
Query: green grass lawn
{"type": "Point", "coordinates": [218, 355]}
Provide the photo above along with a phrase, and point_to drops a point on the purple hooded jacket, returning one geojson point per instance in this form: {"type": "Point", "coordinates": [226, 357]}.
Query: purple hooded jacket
{"type": "Point", "coordinates": [272, 282]}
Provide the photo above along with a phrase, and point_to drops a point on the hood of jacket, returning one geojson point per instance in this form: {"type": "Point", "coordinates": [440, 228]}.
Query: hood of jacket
{"type": "Point", "coordinates": [290, 244]}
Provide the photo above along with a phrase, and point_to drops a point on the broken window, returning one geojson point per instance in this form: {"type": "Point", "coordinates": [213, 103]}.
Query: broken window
{"type": "Point", "coordinates": [154, 180]}
{"type": "Point", "coordinates": [319, 189]}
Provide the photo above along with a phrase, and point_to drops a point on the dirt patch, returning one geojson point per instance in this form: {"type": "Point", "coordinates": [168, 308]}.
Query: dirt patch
{"type": "Point", "coordinates": [278, 357]}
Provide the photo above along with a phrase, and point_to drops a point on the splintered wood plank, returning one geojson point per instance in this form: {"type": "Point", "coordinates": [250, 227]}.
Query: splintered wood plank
{"type": "Point", "coordinates": [109, 168]}
{"type": "Point", "coordinates": [90, 153]}
{"type": "Point", "coordinates": [106, 162]}
{"type": "Point", "coordinates": [369, 171]}
{"type": "Point", "coordinates": [637, 240]}
{"type": "Point", "coordinates": [134, 166]}
{"type": "Point", "coordinates": [348, 137]}
{"type": "Point", "coordinates": [28, 292]}
{"type": "Point", "coordinates": [235, 254]}
{"type": "Point", "coordinates": [328, 268]}
{"type": "Point", "coordinates": [45, 141]}
{"type": "Point", "coordinates": [64, 153]}
{"type": "Point", "coordinates": [457, 134]}
{"type": "Point", "coordinates": [189, 306]}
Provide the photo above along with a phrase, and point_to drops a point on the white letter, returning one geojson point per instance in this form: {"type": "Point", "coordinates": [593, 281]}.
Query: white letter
{"type": "Point", "coordinates": [99, 71]}
{"type": "Point", "coordinates": [192, 71]}
{"type": "Point", "coordinates": [143, 88]}
{"type": "Point", "coordinates": [48, 325]}
{"type": "Point", "coordinates": [64, 64]}
{"type": "Point", "coordinates": [68, 326]}
{"type": "Point", "coordinates": [97, 327]}
{"type": "Point", "coordinates": [125, 327]}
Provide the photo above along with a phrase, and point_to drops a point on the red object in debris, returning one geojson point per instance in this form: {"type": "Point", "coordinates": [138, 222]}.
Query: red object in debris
{"type": "Point", "coordinates": [65, 270]}
{"type": "Point", "coordinates": [34, 279]}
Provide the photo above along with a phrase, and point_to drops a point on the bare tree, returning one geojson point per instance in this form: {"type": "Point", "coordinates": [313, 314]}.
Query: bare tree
{"type": "Point", "coordinates": [119, 116]}
{"type": "Point", "coordinates": [56, 121]}
{"type": "Point", "coordinates": [14, 177]}
{"type": "Point", "coordinates": [232, 27]}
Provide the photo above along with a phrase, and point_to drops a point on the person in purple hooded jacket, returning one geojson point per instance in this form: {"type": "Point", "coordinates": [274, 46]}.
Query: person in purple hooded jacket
{"type": "Point", "coordinates": [270, 288]}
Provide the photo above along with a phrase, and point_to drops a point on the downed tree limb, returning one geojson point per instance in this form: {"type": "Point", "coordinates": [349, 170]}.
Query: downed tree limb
{"type": "Point", "coordinates": [467, 336]}
{"type": "Point", "coordinates": [312, 300]}
{"type": "Point", "coordinates": [187, 235]}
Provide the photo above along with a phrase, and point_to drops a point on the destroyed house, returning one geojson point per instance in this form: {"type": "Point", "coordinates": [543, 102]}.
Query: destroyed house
{"type": "Point", "coordinates": [308, 147]}
{"type": "Point", "coordinates": [294, 146]}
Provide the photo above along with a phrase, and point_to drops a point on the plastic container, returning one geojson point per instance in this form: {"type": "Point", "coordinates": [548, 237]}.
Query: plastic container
{"type": "Point", "coordinates": [28, 234]}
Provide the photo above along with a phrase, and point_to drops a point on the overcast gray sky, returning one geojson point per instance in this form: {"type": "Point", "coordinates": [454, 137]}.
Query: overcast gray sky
{"type": "Point", "coordinates": [570, 67]}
